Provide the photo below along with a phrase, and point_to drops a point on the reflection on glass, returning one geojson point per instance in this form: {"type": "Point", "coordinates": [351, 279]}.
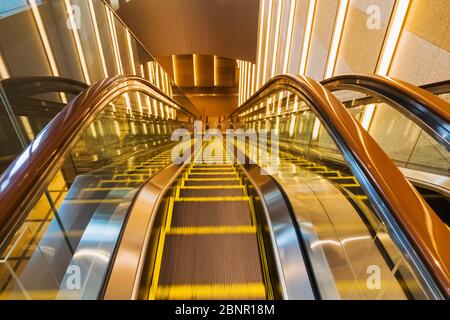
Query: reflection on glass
{"type": "Point", "coordinates": [51, 33]}
{"type": "Point", "coordinates": [75, 225]}
{"type": "Point", "coordinates": [345, 238]}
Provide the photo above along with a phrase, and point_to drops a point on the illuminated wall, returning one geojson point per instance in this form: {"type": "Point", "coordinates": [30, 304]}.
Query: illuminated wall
{"type": "Point", "coordinates": [407, 39]}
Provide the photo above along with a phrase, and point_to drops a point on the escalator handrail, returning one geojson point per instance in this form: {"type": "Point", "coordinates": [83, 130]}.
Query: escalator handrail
{"type": "Point", "coordinates": [428, 110]}
{"type": "Point", "coordinates": [30, 170]}
{"type": "Point", "coordinates": [428, 235]}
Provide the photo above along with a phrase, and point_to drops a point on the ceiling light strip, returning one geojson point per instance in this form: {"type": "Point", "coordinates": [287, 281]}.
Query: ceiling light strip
{"type": "Point", "coordinates": [392, 39]}
{"type": "Point", "coordinates": [337, 35]}
{"type": "Point", "coordinates": [307, 37]}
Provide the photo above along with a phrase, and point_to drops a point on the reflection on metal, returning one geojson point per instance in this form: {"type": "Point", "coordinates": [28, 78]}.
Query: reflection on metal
{"type": "Point", "coordinates": [393, 36]}
{"type": "Point", "coordinates": [97, 38]}
{"type": "Point", "coordinates": [438, 183]}
{"type": "Point", "coordinates": [289, 256]}
{"type": "Point", "coordinates": [127, 267]}
{"type": "Point", "coordinates": [76, 36]}
{"type": "Point", "coordinates": [336, 40]}
{"type": "Point", "coordinates": [276, 40]}
{"type": "Point", "coordinates": [287, 50]}
{"type": "Point", "coordinates": [307, 36]}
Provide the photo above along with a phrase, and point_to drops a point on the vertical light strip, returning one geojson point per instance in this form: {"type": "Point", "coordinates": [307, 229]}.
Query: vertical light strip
{"type": "Point", "coordinates": [4, 74]}
{"type": "Point", "coordinates": [97, 38]}
{"type": "Point", "coordinates": [266, 53]}
{"type": "Point", "coordinates": [307, 37]}
{"type": "Point", "coordinates": [316, 129]}
{"type": "Point", "coordinates": [76, 37]}
{"type": "Point", "coordinates": [395, 29]}
{"type": "Point", "coordinates": [44, 38]}
{"type": "Point", "coordinates": [253, 90]}
{"type": "Point", "coordinates": [130, 52]}
{"type": "Point", "coordinates": [337, 35]}
{"type": "Point", "coordinates": [367, 116]}
{"type": "Point", "coordinates": [195, 64]}
{"type": "Point", "coordinates": [166, 79]}
{"type": "Point", "coordinates": [46, 42]}
{"type": "Point", "coordinates": [260, 39]}
{"type": "Point", "coordinates": [158, 83]}
{"type": "Point", "coordinates": [287, 50]}
{"type": "Point", "coordinates": [245, 79]}
{"type": "Point", "coordinates": [277, 38]}
{"type": "Point", "coordinates": [249, 79]}
{"type": "Point", "coordinates": [240, 81]}
{"type": "Point", "coordinates": [112, 30]}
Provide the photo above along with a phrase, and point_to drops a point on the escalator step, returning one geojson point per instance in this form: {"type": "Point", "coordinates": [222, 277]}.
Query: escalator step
{"type": "Point", "coordinates": [212, 175]}
{"type": "Point", "coordinates": [210, 259]}
{"type": "Point", "coordinates": [211, 192]}
{"type": "Point", "coordinates": [229, 182]}
{"type": "Point", "coordinates": [205, 213]}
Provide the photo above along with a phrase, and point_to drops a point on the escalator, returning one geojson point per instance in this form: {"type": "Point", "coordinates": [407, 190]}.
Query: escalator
{"type": "Point", "coordinates": [209, 247]}
{"type": "Point", "coordinates": [99, 193]}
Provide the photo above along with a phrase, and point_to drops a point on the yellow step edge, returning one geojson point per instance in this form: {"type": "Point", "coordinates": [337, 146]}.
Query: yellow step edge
{"type": "Point", "coordinates": [342, 178]}
{"type": "Point", "coordinates": [215, 291]}
{"type": "Point", "coordinates": [107, 189]}
{"type": "Point", "coordinates": [126, 181]}
{"type": "Point", "coordinates": [212, 179]}
{"type": "Point", "coordinates": [250, 229]}
{"type": "Point", "coordinates": [209, 173]}
{"type": "Point", "coordinates": [92, 201]}
{"type": "Point", "coordinates": [129, 175]}
{"type": "Point", "coordinates": [213, 199]}
{"type": "Point", "coordinates": [349, 185]}
{"type": "Point", "coordinates": [212, 187]}
{"type": "Point", "coordinates": [232, 169]}
{"type": "Point", "coordinates": [159, 252]}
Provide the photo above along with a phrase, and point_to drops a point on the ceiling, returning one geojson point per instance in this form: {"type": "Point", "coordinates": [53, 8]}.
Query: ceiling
{"type": "Point", "coordinates": [197, 42]}
{"type": "Point", "coordinates": [210, 82]}
{"type": "Point", "coordinates": [225, 28]}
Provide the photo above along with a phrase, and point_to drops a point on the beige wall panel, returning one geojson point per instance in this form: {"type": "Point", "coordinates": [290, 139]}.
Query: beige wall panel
{"type": "Point", "coordinates": [298, 34]}
{"type": "Point", "coordinates": [360, 46]}
{"type": "Point", "coordinates": [419, 61]}
{"type": "Point", "coordinates": [322, 33]}
{"type": "Point", "coordinates": [430, 20]}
